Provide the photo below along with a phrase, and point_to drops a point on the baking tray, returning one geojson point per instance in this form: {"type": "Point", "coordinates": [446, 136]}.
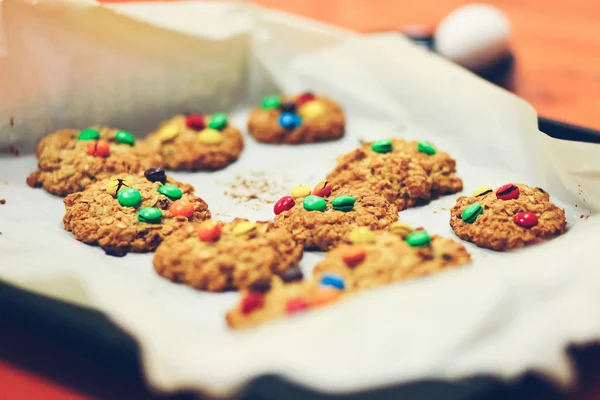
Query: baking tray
{"type": "Point", "coordinates": [91, 333]}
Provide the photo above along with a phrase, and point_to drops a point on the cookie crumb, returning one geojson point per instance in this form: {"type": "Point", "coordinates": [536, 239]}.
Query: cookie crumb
{"type": "Point", "coordinates": [12, 122]}
{"type": "Point", "coordinates": [256, 188]}
{"type": "Point", "coordinates": [2, 201]}
{"type": "Point", "coordinates": [10, 150]}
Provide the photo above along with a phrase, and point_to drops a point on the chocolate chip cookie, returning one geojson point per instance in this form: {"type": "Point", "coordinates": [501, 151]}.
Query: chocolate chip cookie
{"type": "Point", "coordinates": [195, 142]}
{"type": "Point", "coordinates": [510, 217]}
{"type": "Point", "coordinates": [132, 213]}
{"type": "Point", "coordinates": [305, 118]}
{"type": "Point", "coordinates": [69, 160]}
{"type": "Point", "coordinates": [216, 256]}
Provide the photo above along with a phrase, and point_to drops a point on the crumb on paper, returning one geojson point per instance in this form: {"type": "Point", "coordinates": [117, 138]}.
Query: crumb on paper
{"type": "Point", "coordinates": [2, 201]}
{"type": "Point", "coordinates": [254, 188]}
{"type": "Point", "coordinates": [445, 209]}
{"type": "Point", "coordinates": [435, 212]}
{"type": "Point", "coordinates": [10, 150]}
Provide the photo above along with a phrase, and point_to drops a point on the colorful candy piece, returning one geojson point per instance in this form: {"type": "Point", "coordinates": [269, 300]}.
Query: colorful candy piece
{"type": "Point", "coordinates": [99, 148]}
{"type": "Point", "coordinates": [150, 215]}
{"type": "Point", "coordinates": [382, 146]}
{"type": "Point", "coordinates": [209, 230]}
{"type": "Point", "coordinates": [210, 136]}
{"type": "Point", "coordinates": [508, 192]}
{"type": "Point", "coordinates": [290, 121]}
{"type": "Point", "coordinates": [168, 132]}
{"type": "Point", "coordinates": [129, 197]}
{"type": "Point", "coordinates": [269, 102]}
{"type": "Point", "coordinates": [361, 234]}
{"type": "Point", "coordinates": [470, 214]}
{"type": "Point", "coordinates": [244, 228]}
{"type": "Point", "coordinates": [296, 305]}
{"type": "Point", "coordinates": [156, 175]}
{"type": "Point", "coordinates": [353, 255]}
{"type": "Point", "coordinates": [322, 189]}
{"type": "Point", "coordinates": [300, 191]}
{"type": "Point", "coordinates": [482, 191]}
{"type": "Point", "coordinates": [526, 219]}
{"type": "Point", "coordinates": [283, 204]}
{"type": "Point", "coordinates": [182, 208]}
{"type": "Point", "coordinates": [195, 121]}
{"type": "Point", "coordinates": [171, 191]}
{"type": "Point", "coordinates": [89, 134]}
{"type": "Point", "coordinates": [288, 106]}
{"type": "Point", "coordinates": [115, 185]}
{"type": "Point", "coordinates": [312, 110]}
{"type": "Point", "coordinates": [343, 203]}
{"type": "Point", "coordinates": [333, 280]}
{"type": "Point", "coordinates": [260, 286]}
{"type": "Point", "coordinates": [218, 121]}
{"type": "Point", "coordinates": [401, 229]}
{"type": "Point", "coordinates": [427, 148]}
{"type": "Point", "coordinates": [314, 203]}
{"type": "Point", "coordinates": [124, 137]}
{"type": "Point", "coordinates": [305, 98]}
{"type": "Point", "coordinates": [251, 302]}
{"type": "Point", "coordinates": [292, 275]}
{"type": "Point", "coordinates": [324, 297]}
{"type": "Point", "coordinates": [418, 239]}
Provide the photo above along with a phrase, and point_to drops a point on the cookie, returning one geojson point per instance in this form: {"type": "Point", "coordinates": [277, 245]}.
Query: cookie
{"type": "Point", "coordinates": [510, 217]}
{"type": "Point", "coordinates": [321, 219]}
{"type": "Point", "coordinates": [406, 173]}
{"type": "Point", "coordinates": [195, 142]}
{"type": "Point", "coordinates": [305, 118]}
{"type": "Point", "coordinates": [132, 213]}
{"type": "Point", "coordinates": [69, 160]}
{"type": "Point", "coordinates": [216, 256]}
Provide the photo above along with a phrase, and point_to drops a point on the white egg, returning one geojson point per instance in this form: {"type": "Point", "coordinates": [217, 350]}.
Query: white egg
{"type": "Point", "coordinates": [474, 36]}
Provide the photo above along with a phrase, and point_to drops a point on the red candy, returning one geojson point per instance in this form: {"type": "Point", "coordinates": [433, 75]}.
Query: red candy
{"type": "Point", "coordinates": [99, 148]}
{"type": "Point", "coordinates": [283, 204]}
{"type": "Point", "coordinates": [296, 305]}
{"type": "Point", "coordinates": [182, 208]}
{"type": "Point", "coordinates": [525, 219]}
{"type": "Point", "coordinates": [195, 121]}
{"type": "Point", "coordinates": [507, 192]}
{"type": "Point", "coordinates": [305, 98]}
{"type": "Point", "coordinates": [252, 301]}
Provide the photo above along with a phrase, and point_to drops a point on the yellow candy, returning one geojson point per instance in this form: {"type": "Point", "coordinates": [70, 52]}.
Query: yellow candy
{"type": "Point", "coordinates": [168, 132]}
{"type": "Point", "coordinates": [210, 136]}
{"type": "Point", "coordinates": [301, 191]}
{"type": "Point", "coordinates": [401, 229]}
{"type": "Point", "coordinates": [115, 185]}
{"type": "Point", "coordinates": [244, 227]}
{"type": "Point", "coordinates": [312, 109]}
{"type": "Point", "coordinates": [361, 234]}
{"type": "Point", "coordinates": [482, 190]}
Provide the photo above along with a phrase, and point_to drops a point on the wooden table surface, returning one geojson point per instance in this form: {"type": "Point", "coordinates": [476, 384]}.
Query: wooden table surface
{"type": "Point", "coordinates": [557, 49]}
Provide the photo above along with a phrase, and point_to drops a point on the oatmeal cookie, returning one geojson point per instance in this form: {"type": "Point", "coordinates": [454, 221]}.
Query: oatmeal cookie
{"type": "Point", "coordinates": [512, 216]}
{"type": "Point", "coordinates": [132, 213]}
{"type": "Point", "coordinates": [216, 256]}
{"type": "Point", "coordinates": [321, 218]}
{"type": "Point", "coordinates": [195, 142]}
{"type": "Point", "coordinates": [69, 160]}
{"type": "Point", "coordinates": [305, 118]}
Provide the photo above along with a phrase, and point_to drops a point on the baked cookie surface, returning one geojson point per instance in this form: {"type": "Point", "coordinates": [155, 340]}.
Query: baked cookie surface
{"type": "Point", "coordinates": [195, 142]}
{"type": "Point", "coordinates": [407, 173]}
{"type": "Point", "coordinates": [305, 118]}
{"type": "Point", "coordinates": [216, 256]}
{"type": "Point", "coordinates": [69, 160]}
{"type": "Point", "coordinates": [321, 219]}
{"type": "Point", "coordinates": [510, 217]}
{"type": "Point", "coordinates": [132, 213]}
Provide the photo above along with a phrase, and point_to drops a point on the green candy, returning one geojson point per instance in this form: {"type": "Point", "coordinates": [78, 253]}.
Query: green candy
{"type": "Point", "coordinates": [171, 191]}
{"type": "Point", "coordinates": [418, 239]}
{"type": "Point", "coordinates": [382, 146]}
{"type": "Point", "coordinates": [218, 121]}
{"type": "Point", "coordinates": [272, 101]}
{"type": "Point", "coordinates": [471, 213]}
{"type": "Point", "coordinates": [150, 215]}
{"type": "Point", "coordinates": [343, 203]}
{"type": "Point", "coordinates": [129, 197]}
{"type": "Point", "coordinates": [89, 134]}
{"type": "Point", "coordinates": [314, 203]}
{"type": "Point", "coordinates": [124, 138]}
{"type": "Point", "coordinates": [426, 148]}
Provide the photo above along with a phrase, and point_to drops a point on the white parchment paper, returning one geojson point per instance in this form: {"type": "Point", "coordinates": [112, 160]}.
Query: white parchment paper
{"type": "Point", "coordinates": [73, 64]}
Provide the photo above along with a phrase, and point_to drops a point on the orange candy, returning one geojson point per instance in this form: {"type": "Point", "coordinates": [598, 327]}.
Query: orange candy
{"type": "Point", "coordinates": [182, 208]}
{"type": "Point", "coordinates": [322, 189]}
{"type": "Point", "coordinates": [209, 231]}
{"type": "Point", "coordinates": [99, 148]}
{"type": "Point", "coordinates": [325, 296]}
{"type": "Point", "coordinates": [353, 255]}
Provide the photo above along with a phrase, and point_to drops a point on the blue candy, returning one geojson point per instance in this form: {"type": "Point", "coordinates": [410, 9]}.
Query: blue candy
{"type": "Point", "coordinates": [333, 280]}
{"type": "Point", "coordinates": [290, 120]}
